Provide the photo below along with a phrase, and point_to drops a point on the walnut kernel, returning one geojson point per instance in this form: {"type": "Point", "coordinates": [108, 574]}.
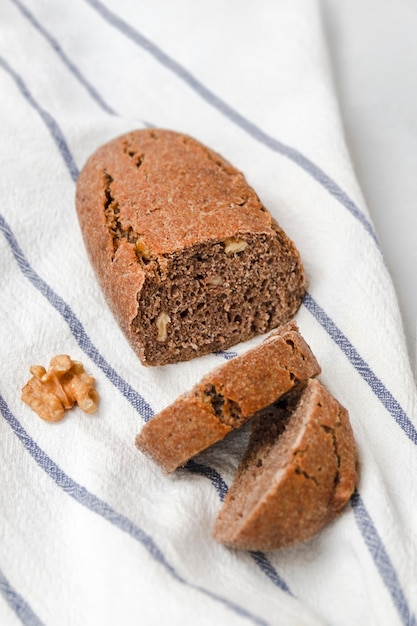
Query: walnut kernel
{"type": "Point", "coordinates": [233, 245]}
{"type": "Point", "coordinates": [215, 280]}
{"type": "Point", "coordinates": [142, 248]}
{"type": "Point", "coordinates": [51, 393]}
{"type": "Point", "coordinates": [162, 322]}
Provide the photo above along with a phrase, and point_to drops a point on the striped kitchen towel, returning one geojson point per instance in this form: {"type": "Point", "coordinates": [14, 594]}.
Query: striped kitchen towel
{"type": "Point", "coordinates": [91, 531]}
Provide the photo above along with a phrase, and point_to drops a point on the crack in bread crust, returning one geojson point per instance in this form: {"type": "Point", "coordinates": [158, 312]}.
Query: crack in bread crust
{"type": "Point", "coordinates": [111, 213]}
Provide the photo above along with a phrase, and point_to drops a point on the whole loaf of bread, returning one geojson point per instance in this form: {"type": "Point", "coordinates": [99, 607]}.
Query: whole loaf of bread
{"type": "Point", "coordinates": [189, 259]}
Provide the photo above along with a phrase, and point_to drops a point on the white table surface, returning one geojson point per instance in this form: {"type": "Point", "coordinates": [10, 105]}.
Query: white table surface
{"type": "Point", "coordinates": [373, 49]}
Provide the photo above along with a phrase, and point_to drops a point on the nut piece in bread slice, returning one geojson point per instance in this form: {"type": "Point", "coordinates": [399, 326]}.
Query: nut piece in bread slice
{"type": "Point", "coordinates": [188, 257]}
{"type": "Point", "coordinates": [227, 397]}
{"type": "Point", "coordinates": [299, 470]}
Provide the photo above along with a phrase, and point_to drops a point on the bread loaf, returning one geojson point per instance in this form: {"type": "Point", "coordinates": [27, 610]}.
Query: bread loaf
{"type": "Point", "coordinates": [227, 397]}
{"type": "Point", "coordinates": [189, 259]}
{"type": "Point", "coordinates": [299, 470]}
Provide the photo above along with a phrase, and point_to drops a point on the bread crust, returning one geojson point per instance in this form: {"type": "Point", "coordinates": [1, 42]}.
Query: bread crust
{"type": "Point", "coordinates": [299, 470]}
{"type": "Point", "coordinates": [227, 397]}
{"type": "Point", "coordinates": [172, 228]}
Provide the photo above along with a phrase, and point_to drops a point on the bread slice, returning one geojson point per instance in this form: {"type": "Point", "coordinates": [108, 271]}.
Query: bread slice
{"type": "Point", "coordinates": [299, 470]}
{"type": "Point", "coordinates": [189, 259]}
{"type": "Point", "coordinates": [227, 397]}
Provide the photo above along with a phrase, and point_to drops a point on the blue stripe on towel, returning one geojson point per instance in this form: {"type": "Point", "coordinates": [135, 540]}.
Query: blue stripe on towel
{"type": "Point", "coordinates": [234, 116]}
{"type": "Point", "coordinates": [18, 604]}
{"type": "Point", "coordinates": [87, 499]}
{"type": "Point", "coordinates": [267, 568]}
{"type": "Point", "coordinates": [208, 472]}
{"type": "Point", "coordinates": [381, 559]}
{"type": "Point", "coordinates": [377, 386]}
{"type": "Point", "coordinates": [64, 58]}
{"type": "Point", "coordinates": [227, 354]}
{"type": "Point", "coordinates": [49, 121]}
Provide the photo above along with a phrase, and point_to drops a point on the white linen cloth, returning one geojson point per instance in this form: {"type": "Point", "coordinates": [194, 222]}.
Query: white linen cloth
{"type": "Point", "coordinates": [91, 531]}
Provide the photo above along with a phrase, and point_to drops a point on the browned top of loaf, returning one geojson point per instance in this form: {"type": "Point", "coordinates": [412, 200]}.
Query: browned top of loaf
{"type": "Point", "coordinates": [227, 397]}
{"type": "Point", "coordinates": [299, 470]}
{"type": "Point", "coordinates": [181, 194]}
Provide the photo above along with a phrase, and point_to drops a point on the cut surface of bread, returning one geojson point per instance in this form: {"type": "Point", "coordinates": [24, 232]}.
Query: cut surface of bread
{"type": "Point", "coordinates": [189, 259]}
{"type": "Point", "coordinates": [299, 470]}
{"type": "Point", "coordinates": [228, 397]}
